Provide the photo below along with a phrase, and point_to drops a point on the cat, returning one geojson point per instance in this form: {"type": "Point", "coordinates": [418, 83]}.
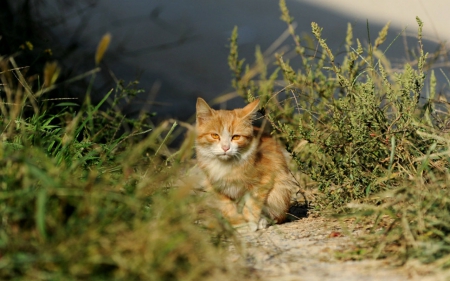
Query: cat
{"type": "Point", "coordinates": [247, 170]}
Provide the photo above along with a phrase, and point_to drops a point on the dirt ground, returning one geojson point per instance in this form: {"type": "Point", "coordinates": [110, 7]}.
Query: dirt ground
{"type": "Point", "coordinates": [306, 250]}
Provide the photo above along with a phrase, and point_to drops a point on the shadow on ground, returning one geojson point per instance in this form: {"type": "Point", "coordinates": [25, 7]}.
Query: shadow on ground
{"type": "Point", "coordinates": [297, 211]}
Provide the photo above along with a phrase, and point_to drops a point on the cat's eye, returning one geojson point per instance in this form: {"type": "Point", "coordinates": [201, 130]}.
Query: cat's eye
{"type": "Point", "coordinates": [215, 136]}
{"type": "Point", "coordinates": [236, 137]}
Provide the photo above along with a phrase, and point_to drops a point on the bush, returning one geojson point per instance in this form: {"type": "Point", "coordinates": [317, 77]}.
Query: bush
{"type": "Point", "coordinates": [359, 128]}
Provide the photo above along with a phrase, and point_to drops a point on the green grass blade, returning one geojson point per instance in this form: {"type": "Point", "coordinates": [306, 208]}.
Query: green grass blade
{"type": "Point", "coordinates": [41, 201]}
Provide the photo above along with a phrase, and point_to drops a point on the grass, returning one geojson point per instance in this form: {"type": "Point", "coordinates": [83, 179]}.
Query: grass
{"type": "Point", "coordinates": [86, 193]}
{"type": "Point", "coordinates": [83, 197]}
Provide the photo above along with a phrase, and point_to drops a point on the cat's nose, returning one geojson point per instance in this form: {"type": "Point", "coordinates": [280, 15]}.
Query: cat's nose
{"type": "Point", "coordinates": [225, 148]}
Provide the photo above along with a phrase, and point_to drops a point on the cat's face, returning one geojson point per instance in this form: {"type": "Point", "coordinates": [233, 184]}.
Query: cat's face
{"type": "Point", "coordinates": [224, 134]}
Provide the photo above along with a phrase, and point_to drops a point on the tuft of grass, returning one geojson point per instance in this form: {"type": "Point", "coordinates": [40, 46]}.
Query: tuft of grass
{"type": "Point", "coordinates": [364, 133]}
{"type": "Point", "coordinates": [86, 193]}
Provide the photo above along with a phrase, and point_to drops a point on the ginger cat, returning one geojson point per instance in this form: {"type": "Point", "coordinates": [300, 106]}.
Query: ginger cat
{"type": "Point", "coordinates": [248, 172]}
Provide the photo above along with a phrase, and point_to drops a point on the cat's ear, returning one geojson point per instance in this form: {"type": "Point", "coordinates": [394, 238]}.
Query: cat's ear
{"type": "Point", "coordinates": [203, 110]}
{"type": "Point", "coordinates": [249, 111]}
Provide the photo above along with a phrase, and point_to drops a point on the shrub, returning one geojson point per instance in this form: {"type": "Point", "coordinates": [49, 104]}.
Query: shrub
{"type": "Point", "coordinates": [363, 133]}
{"type": "Point", "coordinates": [360, 118]}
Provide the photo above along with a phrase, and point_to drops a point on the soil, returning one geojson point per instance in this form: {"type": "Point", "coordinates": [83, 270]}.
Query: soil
{"type": "Point", "coordinates": [306, 249]}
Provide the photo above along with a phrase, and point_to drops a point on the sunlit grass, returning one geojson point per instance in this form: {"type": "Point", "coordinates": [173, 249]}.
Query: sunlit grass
{"type": "Point", "coordinates": [82, 198]}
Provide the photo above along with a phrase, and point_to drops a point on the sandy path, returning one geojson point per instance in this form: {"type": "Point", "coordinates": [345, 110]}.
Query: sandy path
{"type": "Point", "coordinates": [305, 250]}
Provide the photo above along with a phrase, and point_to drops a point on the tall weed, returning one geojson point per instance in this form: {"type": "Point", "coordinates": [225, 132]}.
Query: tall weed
{"type": "Point", "coordinates": [360, 130]}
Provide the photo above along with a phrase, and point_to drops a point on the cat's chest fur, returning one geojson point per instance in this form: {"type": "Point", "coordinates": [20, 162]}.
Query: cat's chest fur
{"type": "Point", "coordinates": [228, 178]}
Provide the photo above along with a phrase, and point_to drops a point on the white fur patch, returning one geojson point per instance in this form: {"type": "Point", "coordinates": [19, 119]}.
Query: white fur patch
{"type": "Point", "coordinates": [220, 167]}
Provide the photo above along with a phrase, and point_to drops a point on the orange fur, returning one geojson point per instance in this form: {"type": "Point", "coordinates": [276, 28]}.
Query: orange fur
{"type": "Point", "coordinates": [249, 174]}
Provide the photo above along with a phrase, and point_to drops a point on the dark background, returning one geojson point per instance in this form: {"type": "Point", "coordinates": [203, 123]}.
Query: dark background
{"type": "Point", "coordinates": [177, 50]}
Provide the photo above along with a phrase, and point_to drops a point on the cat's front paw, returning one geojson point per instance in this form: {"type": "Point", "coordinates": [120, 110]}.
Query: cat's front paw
{"type": "Point", "coordinates": [262, 224]}
{"type": "Point", "coordinates": [247, 227]}
{"type": "Point", "coordinates": [252, 226]}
